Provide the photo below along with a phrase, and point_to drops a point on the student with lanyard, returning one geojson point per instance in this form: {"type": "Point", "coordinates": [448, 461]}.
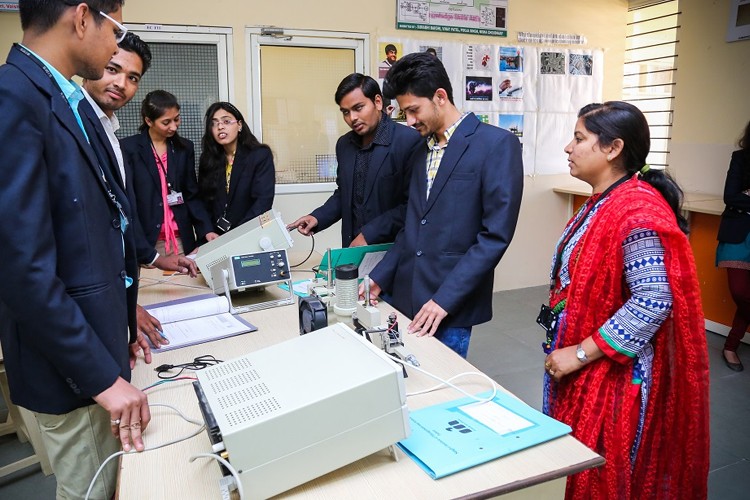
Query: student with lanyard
{"type": "Point", "coordinates": [67, 256]}
{"type": "Point", "coordinates": [162, 164]}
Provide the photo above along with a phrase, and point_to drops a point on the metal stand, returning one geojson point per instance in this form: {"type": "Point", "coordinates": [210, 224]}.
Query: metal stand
{"type": "Point", "coordinates": [283, 301]}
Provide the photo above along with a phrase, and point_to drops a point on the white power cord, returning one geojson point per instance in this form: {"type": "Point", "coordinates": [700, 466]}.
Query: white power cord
{"type": "Point", "coordinates": [449, 384]}
{"type": "Point", "coordinates": [229, 467]}
{"type": "Point", "coordinates": [133, 450]}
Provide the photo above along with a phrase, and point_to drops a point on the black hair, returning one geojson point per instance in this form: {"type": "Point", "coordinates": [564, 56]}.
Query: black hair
{"type": "Point", "coordinates": [418, 73]}
{"type": "Point", "coordinates": [133, 43]}
{"type": "Point", "coordinates": [390, 47]}
{"type": "Point", "coordinates": [369, 86]}
{"type": "Point", "coordinates": [744, 142]}
{"type": "Point", "coordinates": [621, 120]}
{"type": "Point", "coordinates": [41, 15]}
{"type": "Point", "coordinates": [213, 160]}
{"type": "Point", "coordinates": [154, 105]}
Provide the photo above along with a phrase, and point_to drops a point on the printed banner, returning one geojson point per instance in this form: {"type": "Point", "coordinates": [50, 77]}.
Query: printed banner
{"type": "Point", "coordinates": [476, 17]}
{"type": "Point", "coordinates": [8, 6]}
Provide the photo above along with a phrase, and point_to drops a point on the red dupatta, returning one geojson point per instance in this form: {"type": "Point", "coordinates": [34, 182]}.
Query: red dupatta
{"type": "Point", "coordinates": [600, 401]}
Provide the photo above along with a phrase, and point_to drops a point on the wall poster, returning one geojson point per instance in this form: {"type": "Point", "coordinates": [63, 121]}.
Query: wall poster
{"type": "Point", "coordinates": [475, 17]}
{"type": "Point", "coordinates": [533, 92]}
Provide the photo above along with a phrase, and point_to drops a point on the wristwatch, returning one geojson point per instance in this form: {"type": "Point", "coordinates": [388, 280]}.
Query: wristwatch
{"type": "Point", "coordinates": [581, 354]}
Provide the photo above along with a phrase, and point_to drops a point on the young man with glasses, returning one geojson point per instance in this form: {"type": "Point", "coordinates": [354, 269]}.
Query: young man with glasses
{"type": "Point", "coordinates": [67, 258]}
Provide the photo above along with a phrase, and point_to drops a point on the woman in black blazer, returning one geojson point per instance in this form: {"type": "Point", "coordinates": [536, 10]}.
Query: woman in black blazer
{"type": "Point", "coordinates": [162, 165]}
{"type": "Point", "coordinates": [236, 174]}
{"type": "Point", "coordinates": [733, 252]}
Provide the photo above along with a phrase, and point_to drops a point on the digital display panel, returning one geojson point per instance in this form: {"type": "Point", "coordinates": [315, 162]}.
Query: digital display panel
{"type": "Point", "coordinates": [250, 262]}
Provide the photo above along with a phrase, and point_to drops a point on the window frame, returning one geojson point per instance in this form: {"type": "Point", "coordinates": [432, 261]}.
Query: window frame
{"type": "Point", "coordinates": [206, 35]}
{"type": "Point", "coordinates": [256, 37]}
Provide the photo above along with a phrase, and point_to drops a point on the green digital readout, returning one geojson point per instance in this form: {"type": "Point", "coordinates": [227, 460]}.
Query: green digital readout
{"type": "Point", "coordinates": [250, 262]}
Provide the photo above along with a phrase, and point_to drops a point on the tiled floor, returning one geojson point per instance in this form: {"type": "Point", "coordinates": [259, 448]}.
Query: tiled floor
{"type": "Point", "coordinates": [509, 350]}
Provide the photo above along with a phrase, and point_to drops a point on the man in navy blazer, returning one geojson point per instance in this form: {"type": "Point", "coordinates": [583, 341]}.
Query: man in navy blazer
{"type": "Point", "coordinates": [464, 199]}
{"type": "Point", "coordinates": [67, 260]}
{"type": "Point", "coordinates": [372, 181]}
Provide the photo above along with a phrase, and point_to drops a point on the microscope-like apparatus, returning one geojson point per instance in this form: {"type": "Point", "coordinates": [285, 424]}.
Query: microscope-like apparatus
{"type": "Point", "coordinates": [341, 299]}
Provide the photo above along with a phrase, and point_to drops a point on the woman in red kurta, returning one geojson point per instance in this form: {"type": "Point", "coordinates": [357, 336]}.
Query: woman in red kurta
{"type": "Point", "coordinates": [627, 364]}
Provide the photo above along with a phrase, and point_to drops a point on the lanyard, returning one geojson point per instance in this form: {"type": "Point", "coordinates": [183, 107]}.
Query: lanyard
{"type": "Point", "coordinates": [49, 74]}
{"type": "Point", "coordinates": [160, 165]}
{"type": "Point", "coordinates": [585, 213]}
{"type": "Point", "coordinates": [123, 218]}
{"type": "Point", "coordinates": [39, 63]}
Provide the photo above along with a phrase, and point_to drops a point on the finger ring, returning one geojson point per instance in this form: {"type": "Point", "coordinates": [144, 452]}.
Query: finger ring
{"type": "Point", "coordinates": [115, 421]}
{"type": "Point", "coordinates": [551, 371]}
{"type": "Point", "coordinates": [135, 425]}
{"type": "Point", "coordinates": [124, 426]}
{"type": "Point", "coordinates": [547, 365]}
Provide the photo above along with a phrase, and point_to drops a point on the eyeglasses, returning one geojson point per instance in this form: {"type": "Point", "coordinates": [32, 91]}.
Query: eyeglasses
{"type": "Point", "coordinates": [121, 30]}
{"type": "Point", "coordinates": [226, 123]}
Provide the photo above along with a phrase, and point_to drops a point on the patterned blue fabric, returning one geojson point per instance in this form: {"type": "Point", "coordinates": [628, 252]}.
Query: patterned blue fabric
{"type": "Point", "coordinates": [632, 327]}
{"type": "Point", "coordinates": [565, 259]}
{"type": "Point", "coordinates": [630, 330]}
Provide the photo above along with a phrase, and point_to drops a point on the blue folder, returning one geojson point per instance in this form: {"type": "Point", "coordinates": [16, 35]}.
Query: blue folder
{"type": "Point", "coordinates": [446, 439]}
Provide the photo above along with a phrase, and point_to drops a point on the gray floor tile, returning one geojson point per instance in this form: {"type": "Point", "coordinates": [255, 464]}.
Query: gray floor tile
{"type": "Point", "coordinates": [730, 483]}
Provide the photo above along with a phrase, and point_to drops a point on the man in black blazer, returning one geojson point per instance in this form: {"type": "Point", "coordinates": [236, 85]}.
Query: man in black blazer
{"type": "Point", "coordinates": [373, 170]}
{"type": "Point", "coordinates": [464, 199]}
{"type": "Point", "coordinates": [67, 260]}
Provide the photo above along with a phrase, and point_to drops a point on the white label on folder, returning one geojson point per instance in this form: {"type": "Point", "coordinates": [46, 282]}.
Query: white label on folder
{"type": "Point", "coordinates": [369, 261]}
{"type": "Point", "coordinates": [496, 417]}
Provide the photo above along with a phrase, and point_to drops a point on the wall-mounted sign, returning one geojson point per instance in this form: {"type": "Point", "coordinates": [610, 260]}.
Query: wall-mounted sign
{"type": "Point", "coordinates": [8, 6]}
{"type": "Point", "coordinates": [476, 17]}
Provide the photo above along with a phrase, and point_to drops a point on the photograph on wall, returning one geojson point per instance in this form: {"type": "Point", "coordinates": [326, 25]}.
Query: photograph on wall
{"type": "Point", "coordinates": [512, 123]}
{"type": "Point", "coordinates": [495, 15]}
{"type": "Point", "coordinates": [552, 63]}
{"type": "Point", "coordinates": [478, 88]}
{"type": "Point", "coordinates": [478, 58]}
{"type": "Point", "coordinates": [510, 87]}
{"type": "Point", "coordinates": [390, 52]}
{"type": "Point", "coordinates": [580, 64]}
{"type": "Point", "coordinates": [510, 59]}
{"type": "Point", "coordinates": [435, 50]}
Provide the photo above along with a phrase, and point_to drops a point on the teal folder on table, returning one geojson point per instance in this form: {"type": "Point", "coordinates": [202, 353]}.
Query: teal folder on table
{"type": "Point", "coordinates": [350, 255]}
{"type": "Point", "coordinates": [450, 437]}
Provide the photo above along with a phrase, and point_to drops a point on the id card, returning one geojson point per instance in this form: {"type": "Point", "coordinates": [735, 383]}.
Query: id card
{"type": "Point", "coordinates": [174, 198]}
